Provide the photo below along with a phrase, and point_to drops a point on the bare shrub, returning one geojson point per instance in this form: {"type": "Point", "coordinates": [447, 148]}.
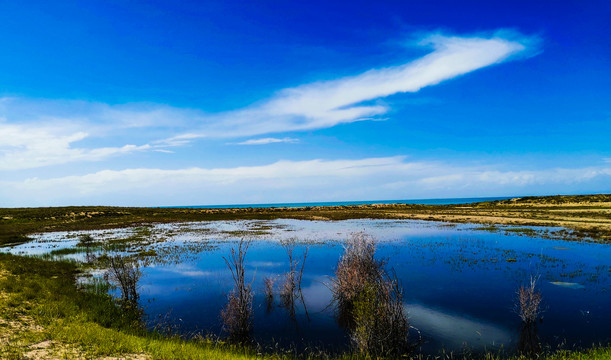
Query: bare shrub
{"type": "Point", "coordinates": [529, 301]}
{"type": "Point", "coordinates": [287, 290]}
{"type": "Point", "coordinates": [269, 293]}
{"type": "Point", "coordinates": [356, 270]}
{"type": "Point", "coordinates": [237, 314]}
{"type": "Point", "coordinates": [370, 301]}
{"type": "Point", "coordinates": [269, 287]}
{"type": "Point", "coordinates": [291, 287]}
{"type": "Point", "coordinates": [125, 273]}
{"type": "Point", "coordinates": [529, 309]}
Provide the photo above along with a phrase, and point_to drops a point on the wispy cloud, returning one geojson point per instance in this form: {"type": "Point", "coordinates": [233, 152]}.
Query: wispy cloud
{"type": "Point", "coordinates": [40, 132]}
{"type": "Point", "coordinates": [31, 146]}
{"type": "Point", "coordinates": [312, 180]}
{"type": "Point", "coordinates": [329, 103]}
{"type": "Point", "coordinates": [31, 125]}
{"type": "Point", "coordinates": [265, 141]}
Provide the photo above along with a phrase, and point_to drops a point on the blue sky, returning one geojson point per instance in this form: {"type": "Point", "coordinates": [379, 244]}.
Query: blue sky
{"type": "Point", "coordinates": [221, 102]}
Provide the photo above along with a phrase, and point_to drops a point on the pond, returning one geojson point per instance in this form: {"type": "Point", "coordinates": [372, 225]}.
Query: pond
{"type": "Point", "coordinates": [459, 281]}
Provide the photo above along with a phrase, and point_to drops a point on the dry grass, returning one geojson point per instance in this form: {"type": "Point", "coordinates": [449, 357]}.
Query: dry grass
{"type": "Point", "coordinates": [237, 314]}
{"type": "Point", "coordinates": [356, 270]}
{"type": "Point", "coordinates": [370, 301]}
{"type": "Point", "coordinates": [291, 286]}
{"type": "Point", "coordinates": [269, 287]}
{"type": "Point", "coordinates": [529, 302]}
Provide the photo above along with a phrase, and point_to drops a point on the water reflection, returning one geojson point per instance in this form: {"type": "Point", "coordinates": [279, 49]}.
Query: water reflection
{"type": "Point", "coordinates": [529, 343]}
{"type": "Point", "coordinates": [459, 282]}
{"type": "Point", "coordinates": [444, 329]}
{"type": "Point", "coordinates": [568, 285]}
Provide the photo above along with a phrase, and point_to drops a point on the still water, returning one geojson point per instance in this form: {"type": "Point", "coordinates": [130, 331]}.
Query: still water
{"type": "Point", "coordinates": [459, 281]}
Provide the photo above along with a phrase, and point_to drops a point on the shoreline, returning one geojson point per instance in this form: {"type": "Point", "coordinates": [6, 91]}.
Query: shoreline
{"type": "Point", "coordinates": [587, 216]}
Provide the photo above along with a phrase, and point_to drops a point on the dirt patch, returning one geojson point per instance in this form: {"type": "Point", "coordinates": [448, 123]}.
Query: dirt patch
{"type": "Point", "coordinates": [56, 350]}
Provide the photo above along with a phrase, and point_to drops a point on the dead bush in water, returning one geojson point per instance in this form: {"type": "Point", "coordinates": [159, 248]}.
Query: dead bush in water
{"type": "Point", "coordinates": [529, 302]}
{"type": "Point", "coordinates": [529, 309]}
{"type": "Point", "coordinates": [292, 279]}
{"type": "Point", "coordinates": [125, 273]}
{"type": "Point", "coordinates": [237, 315]}
{"type": "Point", "coordinates": [356, 270]}
{"type": "Point", "coordinates": [268, 282]}
{"type": "Point", "coordinates": [291, 287]}
{"type": "Point", "coordinates": [370, 301]}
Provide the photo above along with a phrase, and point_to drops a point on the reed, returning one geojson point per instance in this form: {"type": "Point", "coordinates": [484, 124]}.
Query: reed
{"type": "Point", "coordinates": [370, 301]}
{"type": "Point", "coordinates": [237, 314]}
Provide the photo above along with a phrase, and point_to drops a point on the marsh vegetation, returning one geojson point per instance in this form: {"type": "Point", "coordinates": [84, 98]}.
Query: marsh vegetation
{"type": "Point", "coordinates": [370, 301]}
{"type": "Point", "coordinates": [237, 314]}
{"type": "Point", "coordinates": [585, 216]}
{"type": "Point", "coordinates": [315, 288]}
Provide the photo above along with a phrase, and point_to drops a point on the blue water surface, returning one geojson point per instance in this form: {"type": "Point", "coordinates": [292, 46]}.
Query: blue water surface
{"type": "Point", "coordinates": [459, 281]}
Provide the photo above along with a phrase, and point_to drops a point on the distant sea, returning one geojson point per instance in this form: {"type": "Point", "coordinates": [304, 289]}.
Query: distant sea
{"type": "Point", "coordinates": [449, 201]}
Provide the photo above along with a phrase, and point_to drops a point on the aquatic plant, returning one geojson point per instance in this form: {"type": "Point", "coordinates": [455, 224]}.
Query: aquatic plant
{"type": "Point", "coordinates": [356, 270]}
{"type": "Point", "coordinates": [380, 325]}
{"type": "Point", "coordinates": [291, 287]}
{"type": "Point", "coordinates": [87, 241]}
{"type": "Point", "coordinates": [529, 309]}
{"type": "Point", "coordinates": [370, 301]}
{"type": "Point", "coordinates": [86, 324]}
{"type": "Point", "coordinates": [269, 293]}
{"type": "Point", "coordinates": [529, 301]}
{"type": "Point", "coordinates": [269, 287]}
{"type": "Point", "coordinates": [287, 290]}
{"type": "Point", "coordinates": [237, 314]}
{"type": "Point", "coordinates": [125, 273]}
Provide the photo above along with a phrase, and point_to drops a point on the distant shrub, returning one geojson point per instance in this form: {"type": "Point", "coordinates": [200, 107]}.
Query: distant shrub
{"type": "Point", "coordinates": [85, 240]}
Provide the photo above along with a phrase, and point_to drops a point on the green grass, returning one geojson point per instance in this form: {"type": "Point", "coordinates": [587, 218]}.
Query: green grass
{"type": "Point", "coordinates": [69, 251]}
{"type": "Point", "coordinates": [487, 228]}
{"type": "Point", "coordinates": [45, 293]}
{"type": "Point", "coordinates": [522, 231]}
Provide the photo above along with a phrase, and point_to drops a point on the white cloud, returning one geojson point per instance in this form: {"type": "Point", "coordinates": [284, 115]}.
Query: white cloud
{"type": "Point", "coordinates": [298, 181]}
{"type": "Point", "coordinates": [329, 103]}
{"type": "Point", "coordinates": [27, 146]}
{"type": "Point", "coordinates": [30, 136]}
{"type": "Point", "coordinates": [265, 141]}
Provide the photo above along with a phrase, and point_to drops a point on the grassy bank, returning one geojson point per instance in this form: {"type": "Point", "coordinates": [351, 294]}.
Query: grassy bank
{"type": "Point", "coordinates": [45, 315]}
{"type": "Point", "coordinates": [588, 216]}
